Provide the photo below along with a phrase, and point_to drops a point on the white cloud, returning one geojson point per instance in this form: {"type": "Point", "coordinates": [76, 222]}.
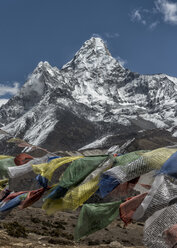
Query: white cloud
{"type": "Point", "coordinates": [121, 61]}
{"type": "Point", "coordinates": [153, 25]}
{"type": "Point", "coordinates": [3, 101]}
{"type": "Point", "coordinates": [168, 9]}
{"type": "Point", "coordinates": [137, 16]}
{"type": "Point", "coordinates": [9, 90]}
{"type": "Point", "coordinates": [96, 35]}
{"type": "Point", "coordinates": [112, 35]}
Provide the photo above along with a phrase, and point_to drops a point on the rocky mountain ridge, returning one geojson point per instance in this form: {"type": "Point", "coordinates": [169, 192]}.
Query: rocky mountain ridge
{"type": "Point", "coordinates": [90, 98]}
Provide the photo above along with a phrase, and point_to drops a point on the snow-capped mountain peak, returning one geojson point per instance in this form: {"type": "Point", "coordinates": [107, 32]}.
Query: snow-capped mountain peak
{"type": "Point", "coordinates": [90, 98]}
{"type": "Point", "coordinates": [95, 45]}
{"type": "Point", "coordinates": [92, 55]}
{"type": "Point", "coordinates": [44, 68]}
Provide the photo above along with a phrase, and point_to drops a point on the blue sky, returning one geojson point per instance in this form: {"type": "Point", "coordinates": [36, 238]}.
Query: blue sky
{"type": "Point", "coordinates": [140, 33]}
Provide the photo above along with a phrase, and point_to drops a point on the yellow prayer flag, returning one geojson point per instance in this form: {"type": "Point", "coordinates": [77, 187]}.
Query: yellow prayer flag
{"type": "Point", "coordinates": [47, 169]}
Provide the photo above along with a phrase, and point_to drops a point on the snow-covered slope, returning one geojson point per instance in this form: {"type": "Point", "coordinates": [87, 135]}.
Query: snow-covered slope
{"type": "Point", "coordinates": [91, 97]}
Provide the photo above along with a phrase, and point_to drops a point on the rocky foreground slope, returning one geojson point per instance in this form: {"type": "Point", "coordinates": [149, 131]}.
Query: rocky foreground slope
{"type": "Point", "coordinates": [33, 228]}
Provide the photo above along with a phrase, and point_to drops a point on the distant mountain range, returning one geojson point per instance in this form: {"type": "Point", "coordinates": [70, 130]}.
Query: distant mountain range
{"type": "Point", "coordinates": [93, 102]}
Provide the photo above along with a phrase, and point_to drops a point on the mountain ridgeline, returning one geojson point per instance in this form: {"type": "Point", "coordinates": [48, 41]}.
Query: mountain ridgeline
{"type": "Point", "coordinates": [92, 99]}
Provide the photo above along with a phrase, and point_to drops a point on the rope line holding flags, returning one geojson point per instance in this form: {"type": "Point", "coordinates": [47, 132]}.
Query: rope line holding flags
{"type": "Point", "coordinates": [23, 144]}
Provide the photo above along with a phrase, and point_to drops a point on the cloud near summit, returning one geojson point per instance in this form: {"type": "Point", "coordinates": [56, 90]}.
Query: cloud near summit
{"type": "Point", "coordinates": [12, 90]}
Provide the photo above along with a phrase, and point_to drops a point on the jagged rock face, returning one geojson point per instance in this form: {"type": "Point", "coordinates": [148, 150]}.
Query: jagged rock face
{"type": "Point", "coordinates": [90, 97]}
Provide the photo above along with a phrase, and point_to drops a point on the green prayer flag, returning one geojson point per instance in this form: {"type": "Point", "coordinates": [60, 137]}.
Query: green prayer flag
{"type": "Point", "coordinates": [79, 169]}
{"type": "Point", "coordinates": [128, 158]}
{"type": "Point", "coordinates": [4, 164]}
{"type": "Point", "coordinates": [94, 217]}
